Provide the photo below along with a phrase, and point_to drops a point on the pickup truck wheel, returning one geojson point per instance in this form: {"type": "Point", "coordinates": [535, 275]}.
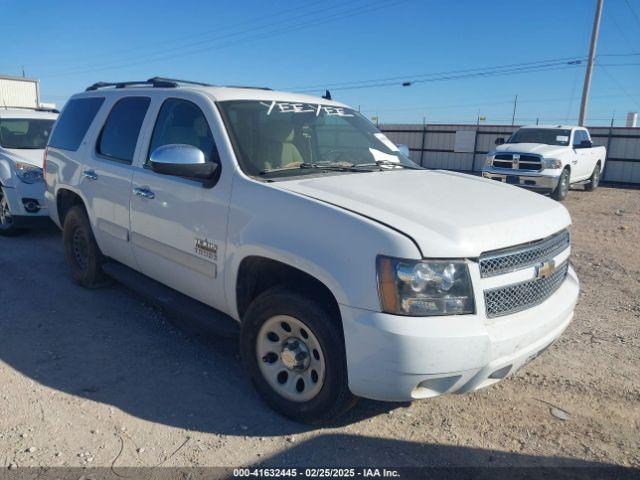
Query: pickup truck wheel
{"type": "Point", "coordinates": [561, 190]}
{"type": "Point", "coordinates": [81, 250]}
{"type": "Point", "coordinates": [294, 353]}
{"type": "Point", "coordinates": [594, 181]}
{"type": "Point", "coordinates": [7, 227]}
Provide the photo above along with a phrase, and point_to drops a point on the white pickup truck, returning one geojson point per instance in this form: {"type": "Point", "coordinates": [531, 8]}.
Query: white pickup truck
{"type": "Point", "coordinates": [23, 137]}
{"type": "Point", "coordinates": [345, 268]}
{"type": "Point", "coordinates": [547, 158]}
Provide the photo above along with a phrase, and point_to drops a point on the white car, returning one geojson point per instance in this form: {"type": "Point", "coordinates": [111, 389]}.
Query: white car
{"type": "Point", "coordinates": [23, 137]}
{"type": "Point", "coordinates": [347, 270]}
{"type": "Point", "coordinates": [548, 159]}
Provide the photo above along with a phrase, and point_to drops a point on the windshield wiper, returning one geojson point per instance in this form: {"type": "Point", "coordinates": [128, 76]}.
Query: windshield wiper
{"type": "Point", "coordinates": [387, 163]}
{"type": "Point", "coordinates": [336, 167]}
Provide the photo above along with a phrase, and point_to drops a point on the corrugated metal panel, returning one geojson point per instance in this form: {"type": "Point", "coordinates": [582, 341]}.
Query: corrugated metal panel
{"type": "Point", "coordinates": [18, 92]}
{"type": "Point", "coordinates": [623, 153]}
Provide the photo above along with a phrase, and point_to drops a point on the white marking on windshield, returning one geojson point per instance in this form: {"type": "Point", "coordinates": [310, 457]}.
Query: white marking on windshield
{"type": "Point", "coordinates": [288, 107]}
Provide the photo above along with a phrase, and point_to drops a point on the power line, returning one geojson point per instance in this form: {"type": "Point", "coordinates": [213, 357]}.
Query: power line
{"type": "Point", "coordinates": [158, 46]}
{"type": "Point", "coordinates": [633, 12]}
{"type": "Point", "coordinates": [286, 28]}
{"type": "Point", "coordinates": [337, 85]}
{"type": "Point", "coordinates": [615, 80]}
{"type": "Point", "coordinates": [501, 71]}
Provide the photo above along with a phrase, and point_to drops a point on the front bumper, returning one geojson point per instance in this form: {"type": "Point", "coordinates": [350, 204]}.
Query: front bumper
{"type": "Point", "coordinates": [397, 358]}
{"type": "Point", "coordinates": [543, 180]}
{"type": "Point", "coordinates": [26, 200]}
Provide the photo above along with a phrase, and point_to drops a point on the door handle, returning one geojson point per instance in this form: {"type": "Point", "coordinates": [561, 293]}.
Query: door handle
{"type": "Point", "coordinates": [144, 193]}
{"type": "Point", "coordinates": [90, 175]}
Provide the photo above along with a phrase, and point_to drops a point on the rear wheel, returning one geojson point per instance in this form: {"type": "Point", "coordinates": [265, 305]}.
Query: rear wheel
{"type": "Point", "coordinates": [81, 250]}
{"type": "Point", "coordinates": [7, 227]}
{"type": "Point", "coordinates": [562, 188]}
{"type": "Point", "coordinates": [293, 350]}
{"type": "Point", "coordinates": [594, 180]}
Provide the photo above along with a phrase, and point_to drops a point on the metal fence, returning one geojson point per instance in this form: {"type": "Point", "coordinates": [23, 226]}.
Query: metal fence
{"type": "Point", "coordinates": [434, 146]}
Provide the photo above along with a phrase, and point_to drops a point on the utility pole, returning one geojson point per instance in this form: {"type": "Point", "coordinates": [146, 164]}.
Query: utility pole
{"type": "Point", "coordinates": [513, 117]}
{"type": "Point", "coordinates": [592, 56]}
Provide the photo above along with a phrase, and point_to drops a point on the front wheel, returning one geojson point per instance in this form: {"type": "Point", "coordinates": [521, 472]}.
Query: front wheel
{"type": "Point", "coordinates": [7, 227]}
{"type": "Point", "coordinates": [594, 180]}
{"type": "Point", "coordinates": [293, 350]}
{"type": "Point", "coordinates": [561, 190]}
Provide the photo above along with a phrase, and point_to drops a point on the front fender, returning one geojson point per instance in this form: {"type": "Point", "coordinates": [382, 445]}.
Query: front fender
{"type": "Point", "coordinates": [7, 178]}
{"type": "Point", "coordinates": [335, 246]}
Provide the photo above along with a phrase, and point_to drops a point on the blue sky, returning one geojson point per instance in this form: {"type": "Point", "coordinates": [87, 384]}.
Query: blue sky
{"type": "Point", "coordinates": [295, 44]}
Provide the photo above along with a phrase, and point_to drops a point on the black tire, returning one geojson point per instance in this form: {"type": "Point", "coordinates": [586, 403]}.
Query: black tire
{"type": "Point", "coordinates": [334, 397]}
{"type": "Point", "coordinates": [594, 180]}
{"type": "Point", "coordinates": [561, 190]}
{"type": "Point", "coordinates": [81, 250]}
{"type": "Point", "coordinates": [7, 227]}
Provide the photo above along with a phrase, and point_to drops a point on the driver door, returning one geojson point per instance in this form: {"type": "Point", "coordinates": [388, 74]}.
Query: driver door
{"type": "Point", "coordinates": [179, 227]}
{"type": "Point", "coordinates": [580, 164]}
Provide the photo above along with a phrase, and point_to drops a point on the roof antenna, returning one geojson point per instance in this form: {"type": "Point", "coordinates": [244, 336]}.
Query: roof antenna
{"type": "Point", "coordinates": [327, 95]}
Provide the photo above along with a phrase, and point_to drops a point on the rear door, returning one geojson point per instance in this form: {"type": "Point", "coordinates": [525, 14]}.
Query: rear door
{"type": "Point", "coordinates": [106, 176]}
{"type": "Point", "coordinates": [179, 227]}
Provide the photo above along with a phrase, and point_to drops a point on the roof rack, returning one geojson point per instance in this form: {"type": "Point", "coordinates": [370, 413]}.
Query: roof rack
{"type": "Point", "coordinates": [250, 88]}
{"type": "Point", "coordinates": [178, 81]}
{"type": "Point", "coordinates": [37, 109]}
{"type": "Point", "coordinates": [155, 82]}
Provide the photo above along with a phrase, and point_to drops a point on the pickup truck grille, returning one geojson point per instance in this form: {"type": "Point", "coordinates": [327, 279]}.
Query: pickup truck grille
{"type": "Point", "coordinates": [515, 258]}
{"type": "Point", "coordinates": [521, 296]}
{"type": "Point", "coordinates": [515, 161]}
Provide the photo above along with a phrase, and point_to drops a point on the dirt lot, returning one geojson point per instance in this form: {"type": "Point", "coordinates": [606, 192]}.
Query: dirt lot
{"type": "Point", "coordinates": [100, 378]}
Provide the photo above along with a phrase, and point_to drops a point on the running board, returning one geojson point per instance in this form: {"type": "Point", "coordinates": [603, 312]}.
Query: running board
{"type": "Point", "coordinates": [188, 313]}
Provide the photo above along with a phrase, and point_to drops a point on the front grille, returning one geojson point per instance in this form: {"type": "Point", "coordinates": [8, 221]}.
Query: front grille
{"type": "Point", "coordinates": [521, 296]}
{"type": "Point", "coordinates": [524, 162]}
{"type": "Point", "coordinates": [522, 256]}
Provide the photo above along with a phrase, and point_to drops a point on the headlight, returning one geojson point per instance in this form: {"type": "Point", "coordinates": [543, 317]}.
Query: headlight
{"type": "Point", "coordinates": [28, 173]}
{"type": "Point", "coordinates": [551, 163]}
{"type": "Point", "coordinates": [488, 160]}
{"type": "Point", "coordinates": [424, 287]}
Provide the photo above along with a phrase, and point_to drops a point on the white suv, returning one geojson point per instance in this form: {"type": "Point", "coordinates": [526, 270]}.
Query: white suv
{"type": "Point", "coordinates": [347, 270]}
{"type": "Point", "coordinates": [23, 136]}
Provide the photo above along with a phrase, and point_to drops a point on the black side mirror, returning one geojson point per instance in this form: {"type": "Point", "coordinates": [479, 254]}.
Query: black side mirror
{"type": "Point", "coordinates": [499, 141]}
{"type": "Point", "coordinates": [585, 144]}
{"type": "Point", "coordinates": [185, 161]}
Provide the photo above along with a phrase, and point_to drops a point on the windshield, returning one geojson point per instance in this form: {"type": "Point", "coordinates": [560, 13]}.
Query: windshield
{"type": "Point", "coordinates": [274, 139]}
{"type": "Point", "coordinates": [24, 133]}
{"type": "Point", "coordinates": [547, 136]}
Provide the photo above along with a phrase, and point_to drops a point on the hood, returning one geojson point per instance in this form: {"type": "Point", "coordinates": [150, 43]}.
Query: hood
{"type": "Point", "coordinates": [31, 156]}
{"type": "Point", "coordinates": [447, 214]}
{"type": "Point", "coordinates": [537, 148]}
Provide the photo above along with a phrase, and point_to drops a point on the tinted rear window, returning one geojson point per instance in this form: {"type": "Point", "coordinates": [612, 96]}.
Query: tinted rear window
{"type": "Point", "coordinates": [120, 132]}
{"type": "Point", "coordinates": [74, 122]}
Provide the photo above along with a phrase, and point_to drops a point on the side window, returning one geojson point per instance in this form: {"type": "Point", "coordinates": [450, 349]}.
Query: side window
{"type": "Point", "coordinates": [74, 122]}
{"type": "Point", "coordinates": [578, 137]}
{"type": "Point", "coordinates": [120, 132]}
{"type": "Point", "coordinates": [182, 122]}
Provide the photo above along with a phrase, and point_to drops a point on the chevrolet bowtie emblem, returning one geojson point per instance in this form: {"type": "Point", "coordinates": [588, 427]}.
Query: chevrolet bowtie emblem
{"type": "Point", "coordinates": [545, 269]}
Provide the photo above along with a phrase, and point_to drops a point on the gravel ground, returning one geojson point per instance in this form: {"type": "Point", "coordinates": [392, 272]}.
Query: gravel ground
{"type": "Point", "coordinates": [100, 378]}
